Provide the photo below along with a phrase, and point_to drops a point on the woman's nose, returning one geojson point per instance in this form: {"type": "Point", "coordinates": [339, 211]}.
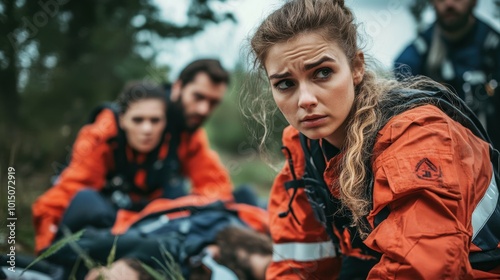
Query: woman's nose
{"type": "Point", "coordinates": [307, 98]}
{"type": "Point", "coordinates": [146, 127]}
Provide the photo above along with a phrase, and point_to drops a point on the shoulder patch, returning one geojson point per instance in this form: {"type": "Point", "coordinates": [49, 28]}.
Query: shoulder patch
{"type": "Point", "coordinates": [431, 170]}
{"type": "Point", "coordinates": [426, 170]}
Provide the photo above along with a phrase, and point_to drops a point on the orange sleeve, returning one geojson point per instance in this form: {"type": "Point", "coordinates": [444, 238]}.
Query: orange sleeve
{"type": "Point", "coordinates": [90, 159]}
{"type": "Point", "coordinates": [255, 217]}
{"type": "Point", "coordinates": [300, 251]}
{"type": "Point", "coordinates": [203, 166]}
{"type": "Point", "coordinates": [430, 172]}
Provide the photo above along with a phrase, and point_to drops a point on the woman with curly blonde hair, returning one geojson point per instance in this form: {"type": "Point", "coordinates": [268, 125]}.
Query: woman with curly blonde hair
{"type": "Point", "coordinates": [403, 189]}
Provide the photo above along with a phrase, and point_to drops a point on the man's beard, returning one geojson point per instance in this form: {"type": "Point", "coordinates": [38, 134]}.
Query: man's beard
{"type": "Point", "coordinates": [456, 25]}
{"type": "Point", "coordinates": [181, 118]}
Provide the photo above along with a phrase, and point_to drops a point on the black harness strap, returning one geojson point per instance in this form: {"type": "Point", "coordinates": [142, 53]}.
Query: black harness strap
{"type": "Point", "coordinates": [324, 204]}
{"type": "Point", "coordinates": [294, 184]}
{"type": "Point", "coordinates": [168, 173]}
{"type": "Point", "coordinates": [326, 207]}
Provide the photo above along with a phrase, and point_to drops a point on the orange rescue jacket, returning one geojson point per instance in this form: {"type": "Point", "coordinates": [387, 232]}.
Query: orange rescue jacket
{"type": "Point", "coordinates": [92, 158]}
{"type": "Point", "coordinates": [428, 232]}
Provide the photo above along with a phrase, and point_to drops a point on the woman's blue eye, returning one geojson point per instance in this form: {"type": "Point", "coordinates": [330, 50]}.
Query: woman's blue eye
{"type": "Point", "coordinates": [283, 85]}
{"type": "Point", "coordinates": [323, 73]}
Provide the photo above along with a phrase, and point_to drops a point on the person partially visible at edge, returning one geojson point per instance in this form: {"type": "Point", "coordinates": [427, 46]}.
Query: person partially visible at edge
{"type": "Point", "coordinates": [462, 52]}
{"type": "Point", "coordinates": [190, 228]}
{"type": "Point", "coordinates": [141, 123]}
{"type": "Point", "coordinates": [406, 176]}
{"type": "Point", "coordinates": [248, 262]}
{"type": "Point", "coordinates": [192, 99]}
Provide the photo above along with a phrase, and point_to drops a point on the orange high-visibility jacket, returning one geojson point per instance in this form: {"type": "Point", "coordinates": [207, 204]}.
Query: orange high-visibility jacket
{"type": "Point", "coordinates": [255, 217]}
{"type": "Point", "coordinates": [428, 232]}
{"type": "Point", "coordinates": [92, 158]}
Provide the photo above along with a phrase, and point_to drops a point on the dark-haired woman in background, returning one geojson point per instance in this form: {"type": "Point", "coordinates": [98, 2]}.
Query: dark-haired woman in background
{"type": "Point", "coordinates": [122, 161]}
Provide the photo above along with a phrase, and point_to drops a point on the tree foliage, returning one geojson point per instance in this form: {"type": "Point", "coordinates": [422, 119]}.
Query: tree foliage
{"type": "Point", "coordinates": [59, 58]}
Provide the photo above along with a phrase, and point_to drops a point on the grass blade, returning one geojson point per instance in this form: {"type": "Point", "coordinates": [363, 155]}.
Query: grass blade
{"type": "Point", "coordinates": [56, 247]}
{"type": "Point", "coordinates": [72, 275]}
{"type": "Point", "coordinates": [112, 253]}
{"type": "Point", "coordinates": [87, 261]}
{"type": "Point", "coordinates": [155, 274]}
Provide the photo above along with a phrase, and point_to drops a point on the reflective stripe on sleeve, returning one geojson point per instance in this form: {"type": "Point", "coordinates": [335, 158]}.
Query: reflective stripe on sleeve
{"type": "Point", "coordinates": [485, 207]}
{"type": "Point", "coordinates": [303, 252]}
{"type": "Point", "coordinates": [491, 41]}
{"type": "Point", "coordinates": [420, 45]}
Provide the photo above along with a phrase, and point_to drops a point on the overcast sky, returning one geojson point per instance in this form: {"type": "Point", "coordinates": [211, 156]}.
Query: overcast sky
{"type": "Point", "coordinates": [388, 24]}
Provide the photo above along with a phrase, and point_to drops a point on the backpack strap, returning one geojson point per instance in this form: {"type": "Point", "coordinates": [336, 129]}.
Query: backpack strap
{"type": "Point", "coordinates": [455, 109]}
{"type": "Point", "coordinates": [116, 178]}
{"type": "Point", "coordinates": [326, 207]}
{"type": "Point", "coordinates": [119, 181]}
{"type": "Point", "coordinates": [323, 203]}
{"type": "Point", "coordinates": [166, 174]}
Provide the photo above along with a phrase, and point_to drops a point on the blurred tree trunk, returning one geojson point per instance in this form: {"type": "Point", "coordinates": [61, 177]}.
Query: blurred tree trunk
{"type": "Point", "coordinates": [9, 70]}
{"type": "Point", "coordinates": [9, 75]}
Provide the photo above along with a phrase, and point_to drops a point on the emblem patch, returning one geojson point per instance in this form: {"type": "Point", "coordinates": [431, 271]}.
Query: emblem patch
{"type": "Point", "coordinates": [426, 170]}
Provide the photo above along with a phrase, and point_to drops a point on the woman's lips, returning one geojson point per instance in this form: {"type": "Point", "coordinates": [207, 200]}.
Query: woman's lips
{"type": "Point", "coordinates": [313, 121]}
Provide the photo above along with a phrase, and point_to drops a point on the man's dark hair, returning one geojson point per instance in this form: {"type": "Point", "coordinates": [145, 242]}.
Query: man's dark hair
{"type": "Point", "coordinates": [137, 266]}
{"type": "Point", "coordinates": [211, 67]}
{"type": "Point", "coordinates": [134, 91]}
{"type": "Point", "coordinates": [237, 244]}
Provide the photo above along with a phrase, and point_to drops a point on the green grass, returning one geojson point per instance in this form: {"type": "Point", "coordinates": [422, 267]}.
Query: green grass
{"type": "Point", "coordinates": [169, 268]}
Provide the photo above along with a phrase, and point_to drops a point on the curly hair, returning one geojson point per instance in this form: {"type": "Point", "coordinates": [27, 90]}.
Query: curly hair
{"type": "Point", "coordinates": [335, 22]}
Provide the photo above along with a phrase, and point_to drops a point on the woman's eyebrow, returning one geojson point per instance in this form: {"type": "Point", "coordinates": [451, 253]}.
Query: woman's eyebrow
{"type": "Point", "coordinates": [316, 63]}
{"type": "Point", "coordinates": [279, 76]}
{"type": "Point", "coordinates": [306, 67]}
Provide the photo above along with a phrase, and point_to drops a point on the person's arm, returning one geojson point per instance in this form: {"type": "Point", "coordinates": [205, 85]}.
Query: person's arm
{"type": "Point", "coordinates": [299, 251]}
{"type": "Point", "coordinates": [203, 166]}
{"type": "Point", "coordinates": [90, 158]}
{"type": "Point", "coordinates": [411, 60]}
{"type": "Point", "coordinates": [490, 55]}
{"type": "Point", "coordinates": [496, 92]}
{"type": "Point", "coordinates": [430, 176]}
{"type": "Point", "coordinates": [496, 74]}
